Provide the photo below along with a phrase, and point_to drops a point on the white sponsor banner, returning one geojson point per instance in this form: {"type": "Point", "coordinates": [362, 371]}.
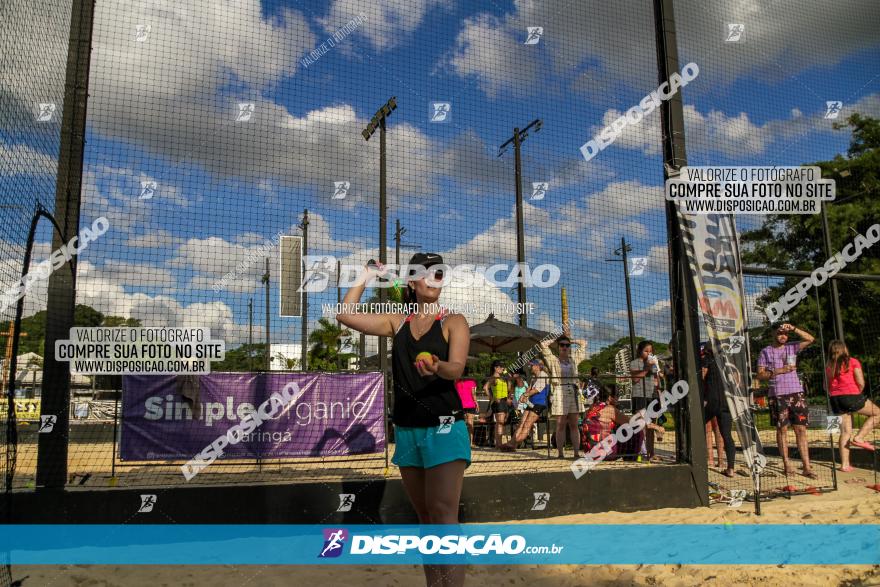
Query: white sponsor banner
{"type": "Point", "coordinates": [712, 252]}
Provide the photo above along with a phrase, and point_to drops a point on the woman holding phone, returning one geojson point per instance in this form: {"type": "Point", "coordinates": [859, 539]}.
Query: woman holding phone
{"type": "Point", "coordinates": [432, 442]}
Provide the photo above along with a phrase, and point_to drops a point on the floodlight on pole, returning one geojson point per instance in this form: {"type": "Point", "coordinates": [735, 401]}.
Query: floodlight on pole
{"type": "Point", "coordinates": [516, 140]}
{"type": "Point", "coordinates": [380, 115]}
{"type": "Point", "coordinates": [378, 121]}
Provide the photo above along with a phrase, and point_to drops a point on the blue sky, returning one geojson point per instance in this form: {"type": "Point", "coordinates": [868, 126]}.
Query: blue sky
{"type": "Point", "coordinates": [163, 110]}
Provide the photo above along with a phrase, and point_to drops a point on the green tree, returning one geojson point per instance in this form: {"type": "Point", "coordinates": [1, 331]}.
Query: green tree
{"type": "Point", "coordinates": [120, 321]}
{"type": "Point", "coordinates": [795, 242]}
{"type": "Point", "coordinates": [247, 357]}
{"type": "Point", "coordinates": [86, 316]}
{"type": "Point", "coordinates": [327, 341]}
{"type": "Point", "coordinates": [290, 363]}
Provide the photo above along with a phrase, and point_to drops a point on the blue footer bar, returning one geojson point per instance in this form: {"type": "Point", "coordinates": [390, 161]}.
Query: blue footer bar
{"type": "Point", "coordinates": [471, 544]}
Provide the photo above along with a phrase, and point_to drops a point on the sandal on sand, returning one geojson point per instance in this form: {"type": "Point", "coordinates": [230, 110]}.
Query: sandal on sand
{"type": "Point", "coordinates": [861, 444]}
{"type": "Point", "coordinates": [506, 448]}
{"type": "Point", "coordinates": [846, 469]}
{"type": "Point", "coordinates": [727, 472]}
{"type": "Point", "coordinates": [809, 474]}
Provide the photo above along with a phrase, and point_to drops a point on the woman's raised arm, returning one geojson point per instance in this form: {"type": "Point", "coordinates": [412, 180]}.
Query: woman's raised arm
{"type": "Point", "coordinates": [383, 324]}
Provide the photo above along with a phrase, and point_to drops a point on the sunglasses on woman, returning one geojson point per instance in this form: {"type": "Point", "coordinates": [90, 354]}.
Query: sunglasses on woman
{"type": "Point", "coordinates": [430, 274]}
{"type": "Point", "coordinates": [564, 345]}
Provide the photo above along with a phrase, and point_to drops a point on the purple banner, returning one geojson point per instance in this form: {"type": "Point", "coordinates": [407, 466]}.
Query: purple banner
{"type": "Point", "coordinates": [174, 417]}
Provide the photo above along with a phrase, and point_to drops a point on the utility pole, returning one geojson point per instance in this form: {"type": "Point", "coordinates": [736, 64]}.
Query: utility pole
{"type": "Point", "coordinates": [622, 251]}
{"type": "Point", "coordinates": [836, 315]}
{"type": "Point", "coordinates": [304, 352]}
{"type": "Point", "coordinates": [398, 232]}
{"type": "Point", "coordinates": [398, 236]}
{"type": "Point", "coordinates": [250, 334]}
{"type": "Point", "coordinates": [338, 302]}
{"type": "Point", "coordinates": [517, 139]}
{"type": "Point", "coordinates": [378, 121]}
{"type": "Point", "coordinates": [268, 365]}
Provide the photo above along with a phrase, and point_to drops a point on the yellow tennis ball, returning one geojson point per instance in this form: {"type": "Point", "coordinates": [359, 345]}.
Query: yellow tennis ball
{"type": "Point", "coordinates": [425, 356]}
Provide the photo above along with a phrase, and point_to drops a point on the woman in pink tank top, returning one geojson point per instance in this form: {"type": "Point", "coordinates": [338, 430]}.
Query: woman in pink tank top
{"type": "Point", "coordinates": [845, 382]}
{"type": "Point", "coordinates": [467, 393]}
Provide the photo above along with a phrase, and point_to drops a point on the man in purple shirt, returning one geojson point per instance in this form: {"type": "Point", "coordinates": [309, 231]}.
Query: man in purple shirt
{"type": "Point", "coordinates": [777, 364]}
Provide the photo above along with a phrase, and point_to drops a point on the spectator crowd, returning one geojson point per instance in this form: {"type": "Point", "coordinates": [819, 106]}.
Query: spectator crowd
{"type": "Point", "coordinates": [580, 411]}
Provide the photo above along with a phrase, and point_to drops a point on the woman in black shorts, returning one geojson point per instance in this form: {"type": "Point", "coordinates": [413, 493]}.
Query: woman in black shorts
{"type": "Point", "coordinates": [846, 384]}
{"type": "Point", "coordinates": [497, 389]}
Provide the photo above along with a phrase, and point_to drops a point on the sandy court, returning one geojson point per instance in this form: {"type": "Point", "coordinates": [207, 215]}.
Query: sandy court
{"type": "Point", "coordinates": [853, 503]}
{"type": "Point", "coordinates": [90, 465]}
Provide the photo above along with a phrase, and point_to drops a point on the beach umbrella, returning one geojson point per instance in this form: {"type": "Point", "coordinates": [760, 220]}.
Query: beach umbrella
{"type": "Point", "coordinates": [497, 336]}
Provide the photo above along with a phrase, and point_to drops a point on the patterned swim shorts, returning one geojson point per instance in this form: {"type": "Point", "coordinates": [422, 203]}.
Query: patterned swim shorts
{"type": "Point", "coordinates": [788, 410]}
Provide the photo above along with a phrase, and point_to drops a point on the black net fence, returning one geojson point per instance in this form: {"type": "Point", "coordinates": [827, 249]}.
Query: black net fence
{"type": "Point", "coordinates": [214, 134]}
{"type": "Point", "coordinates": [33, 38]}
{"type": "Point", "coordinates": [780, 86]}
{"type": "Point", "coordinates": [33, 45]}
{"type": "Point", "coordinates": [226, 141]}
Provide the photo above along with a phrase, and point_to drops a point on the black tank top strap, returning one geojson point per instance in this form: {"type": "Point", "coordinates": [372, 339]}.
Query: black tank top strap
{"type": "Point", "coordinates": [401, 323]}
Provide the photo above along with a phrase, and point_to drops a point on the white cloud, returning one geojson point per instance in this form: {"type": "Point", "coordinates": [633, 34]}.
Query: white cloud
{"type": "Point", "coordinates": [712, 132]}
{"type": "Point", "coordinates": [479, 298]}
{"type": "Point", "coordinates": [101, 290]}
{"type": "Point", "coordinates": [658, 259]}
{"type": "Point", "coordinates": [10, 269]}
{"type": "Point", "coordinates": [653, 322]}
{"type": "Point", "coordinates": [755, 316]}
{"type": "Point", "coordinates": [815, 35]}
{"type": "Point", "coordinates": [388, 23]}
{"type": "Point", "coordinates": [610, 46]}
{"type": "Point", "coordinates": [139, 274]}
{"type": "Point", "coordinates": [487, 50]}
{"type": "Point", "coordinates": [209, 260]}
{"type": "Point", "coordinates": [616, 205]}
{"type": "Point", "coordinates": [498, 241]}
{"type": "Point", "coordinates": [598, 333]}
{"type": "Point", "coordinates": [154, 239]}
{"type": "Point", "coordinates": [25, 160]}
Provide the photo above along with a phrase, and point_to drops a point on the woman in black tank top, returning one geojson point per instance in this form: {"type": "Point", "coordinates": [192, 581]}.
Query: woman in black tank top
{"type": "Point", "coordinates": [433, 447]}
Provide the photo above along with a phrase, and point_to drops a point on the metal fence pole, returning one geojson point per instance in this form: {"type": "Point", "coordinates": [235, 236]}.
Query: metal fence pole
{"type": "Point", "coordinates": [115, 432]}
{"type": "Point", "coordinates": [684, 314]}
{"type": "Point", "coordinates": [824, 386]}
{"type": "Point", "coordinates": [52, 448]}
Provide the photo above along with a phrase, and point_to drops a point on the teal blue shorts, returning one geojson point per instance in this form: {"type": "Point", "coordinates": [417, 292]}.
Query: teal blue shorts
{"type": "Point", "coordinates": [428, 447]}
